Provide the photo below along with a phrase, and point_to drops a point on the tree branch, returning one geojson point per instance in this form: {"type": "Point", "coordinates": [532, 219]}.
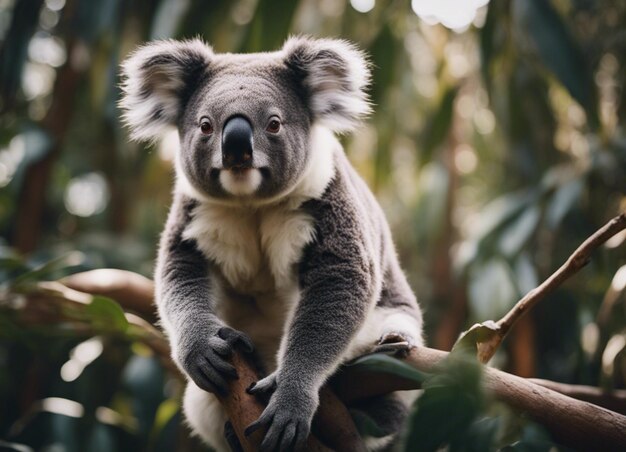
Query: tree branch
{"type": "Point", "coordinates": [574, 423]}
{"type": "Point", "coordinates": [614, 400]}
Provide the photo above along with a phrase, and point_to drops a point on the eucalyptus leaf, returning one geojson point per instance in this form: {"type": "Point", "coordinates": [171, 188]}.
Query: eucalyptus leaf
{"type": "Point", "coordinates": [383, 363]}
{"type": "Point", "coordinates": [563, 200]}
{"type": "Point", "coordinates": [437, 128]}
{"type": "Point", "coordinates": [525, 273]}
{"type": "Point", "coordinates": [514, 236]}
{"type": "Point", "coordinates": [47, 269]}
{"type": "Point", "coordinates": [365, 425]}
{"type": "Point", "coordinates": [492, 292]}
{"type": "Point", "coordinates": [452, 399]}
{"type": "Point", "coordinates": [106, 314]}
{"type": "Point", "coordinates": [548, 36]}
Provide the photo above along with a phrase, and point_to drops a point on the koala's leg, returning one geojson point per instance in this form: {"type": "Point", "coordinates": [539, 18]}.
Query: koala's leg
{"type": "Point", "coordinates": [397, 312]}
{"type": "Point", "coordinates": [388, 413]}
{"type": "Point", "coordinates": [206, 417]}
{"type": "Point", "coordinates": [399, 332]}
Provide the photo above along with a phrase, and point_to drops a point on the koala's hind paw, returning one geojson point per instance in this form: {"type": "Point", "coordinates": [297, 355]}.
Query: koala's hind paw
{"type": "Point", "coordinates": [394, 343]}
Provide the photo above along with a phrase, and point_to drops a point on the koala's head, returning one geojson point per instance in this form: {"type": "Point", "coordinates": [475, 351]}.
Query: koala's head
{"type": "Point", "coordinates": [244, 120]}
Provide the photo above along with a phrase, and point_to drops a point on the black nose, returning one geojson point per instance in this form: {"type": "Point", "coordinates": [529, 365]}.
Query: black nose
{"type": "Point", "coordinates": [237, 143]}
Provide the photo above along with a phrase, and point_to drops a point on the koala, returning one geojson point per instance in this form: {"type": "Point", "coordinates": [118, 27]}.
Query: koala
{"type": "Point", "coordinates": [273, 242]}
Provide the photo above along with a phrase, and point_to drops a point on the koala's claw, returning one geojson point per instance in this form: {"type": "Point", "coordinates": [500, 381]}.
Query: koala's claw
{"type": "Point", "coordinates": [396, 344]}
{"type": "Point", "coordinates": [233, 337]}
{"type": "Point", "coordinates": [264, 387]}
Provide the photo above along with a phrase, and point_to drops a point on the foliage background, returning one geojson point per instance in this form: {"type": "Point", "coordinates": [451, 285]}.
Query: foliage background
{"type": "Point", "coordinates": [494, 149]}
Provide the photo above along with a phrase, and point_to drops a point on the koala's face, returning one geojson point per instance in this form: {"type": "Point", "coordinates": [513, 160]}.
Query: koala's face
{"type": "Point", "coordinates": [244, 120]}
{"type": "Point", "coordinates": [245, 130]}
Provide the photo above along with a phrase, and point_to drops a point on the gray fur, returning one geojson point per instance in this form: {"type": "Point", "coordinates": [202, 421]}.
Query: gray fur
{"type": "Point", "coordinates": [298, 254]}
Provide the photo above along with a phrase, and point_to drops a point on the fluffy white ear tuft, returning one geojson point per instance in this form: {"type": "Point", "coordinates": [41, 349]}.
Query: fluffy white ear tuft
{"type": "Point", "coordinates": [335, 74]}
{"type": "Point", "coordinates": [158, 79]}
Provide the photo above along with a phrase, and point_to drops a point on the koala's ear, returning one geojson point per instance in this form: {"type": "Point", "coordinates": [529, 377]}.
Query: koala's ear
{"type": "Point", "coordinates": [335, 74]}
{"type": "Point", "coordinates": [158, 79]}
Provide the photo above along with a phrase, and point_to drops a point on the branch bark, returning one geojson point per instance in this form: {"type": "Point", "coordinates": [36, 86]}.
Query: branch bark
{"type": "Point", "coordinates": [611, 400]}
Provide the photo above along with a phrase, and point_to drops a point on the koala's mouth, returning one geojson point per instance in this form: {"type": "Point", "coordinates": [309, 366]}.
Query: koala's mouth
{"type": "Point", "coordinates": [239, 171]}
{"type": "Point", "coordinates": [241, 181]}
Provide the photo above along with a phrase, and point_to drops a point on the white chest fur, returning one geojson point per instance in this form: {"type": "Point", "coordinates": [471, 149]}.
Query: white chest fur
{"type": "Point", "coordinates": [255, 249]}
{"type": "Point", "coordinates": [250, 243]}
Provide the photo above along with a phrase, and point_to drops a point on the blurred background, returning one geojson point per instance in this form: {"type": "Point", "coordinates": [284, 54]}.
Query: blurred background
{"type": "Point", "coordinates": [496, 147]}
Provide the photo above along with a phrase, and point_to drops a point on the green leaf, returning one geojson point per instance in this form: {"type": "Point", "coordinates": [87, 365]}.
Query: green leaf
{"type": "Point", "coordinates": [563, 200]}
{"type": "Point", "coordinates": [491, 289]}
{"type": "Point", "coordinates": [107, 314]}
{"type": "Point", "coordinates": [487, 41]}
{"type": "Point", "coordinates": [384, 54]}
{"type": "Point", "coordinates": [166, 411]}
{"type": "Point", "coordinates": [525, 274]}
{"type": "Point", "coordinates": [433, 185]}
{"type": "Point", "coordinates": [365, 425]}
{"type": "Point", "coordinates": [548, 36]}
{"type": "Point", "coordinates": [43, 271]}
{"type": "Point", "coordinates": [270, 25]}
{"type": "Point", "coordinates": [515, 235]}
{"type": "Point", "coordinates": [501, 210]}
{"type": "Point", "coordinates": [452, 399]}
{"type": "Point", "coordinates": [481, 436]}
{"type": "Point", "coordinates": [436, 131]}
{"type": "Point", "coordinates": [382, 363]}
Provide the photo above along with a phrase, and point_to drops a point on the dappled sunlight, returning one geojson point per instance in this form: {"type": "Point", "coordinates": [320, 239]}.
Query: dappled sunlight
{"type": "Point", "coordinates": [80, 357]}
{"type": "Point", "coordinates": [86, 195]}
{"type": "Point", "coordinates": [454, 14]}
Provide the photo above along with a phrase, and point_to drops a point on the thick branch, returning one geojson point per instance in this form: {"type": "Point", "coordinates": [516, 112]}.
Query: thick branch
{"type": "Point", "coordinates": [611, 400]}
{"type": "Point", "coordinates": [576, 261]}
{"type": "Point", "coordinates": [574, 423]}
{"type": "Point", "coordinates": [131, 290]}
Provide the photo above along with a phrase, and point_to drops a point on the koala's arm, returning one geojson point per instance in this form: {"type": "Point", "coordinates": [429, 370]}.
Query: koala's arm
{"type": "Point", "coordinates": [199, 339]}
{"type": "Point", "coordinates": [338, 281]}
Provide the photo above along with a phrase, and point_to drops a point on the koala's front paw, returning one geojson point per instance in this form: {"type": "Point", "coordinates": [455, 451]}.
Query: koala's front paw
{"type": "Point", "coordinates": [287, 416]}
{"type": "Point", "coordinates": [206, 363]}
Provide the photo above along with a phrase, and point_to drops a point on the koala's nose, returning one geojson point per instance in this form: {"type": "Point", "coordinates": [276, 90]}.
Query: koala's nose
{"type": "Point", "coordinates": [237, 143]}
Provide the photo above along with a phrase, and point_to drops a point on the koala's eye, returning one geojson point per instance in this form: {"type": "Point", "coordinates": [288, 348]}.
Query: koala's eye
{"type": "Point", "coordinates": [273, 126]}
{"type": "Point", "coordinates": [206, 127]}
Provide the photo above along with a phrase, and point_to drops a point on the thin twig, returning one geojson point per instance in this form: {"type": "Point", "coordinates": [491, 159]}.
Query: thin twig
{"type": "Point", "coordinates": [576, 261]}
